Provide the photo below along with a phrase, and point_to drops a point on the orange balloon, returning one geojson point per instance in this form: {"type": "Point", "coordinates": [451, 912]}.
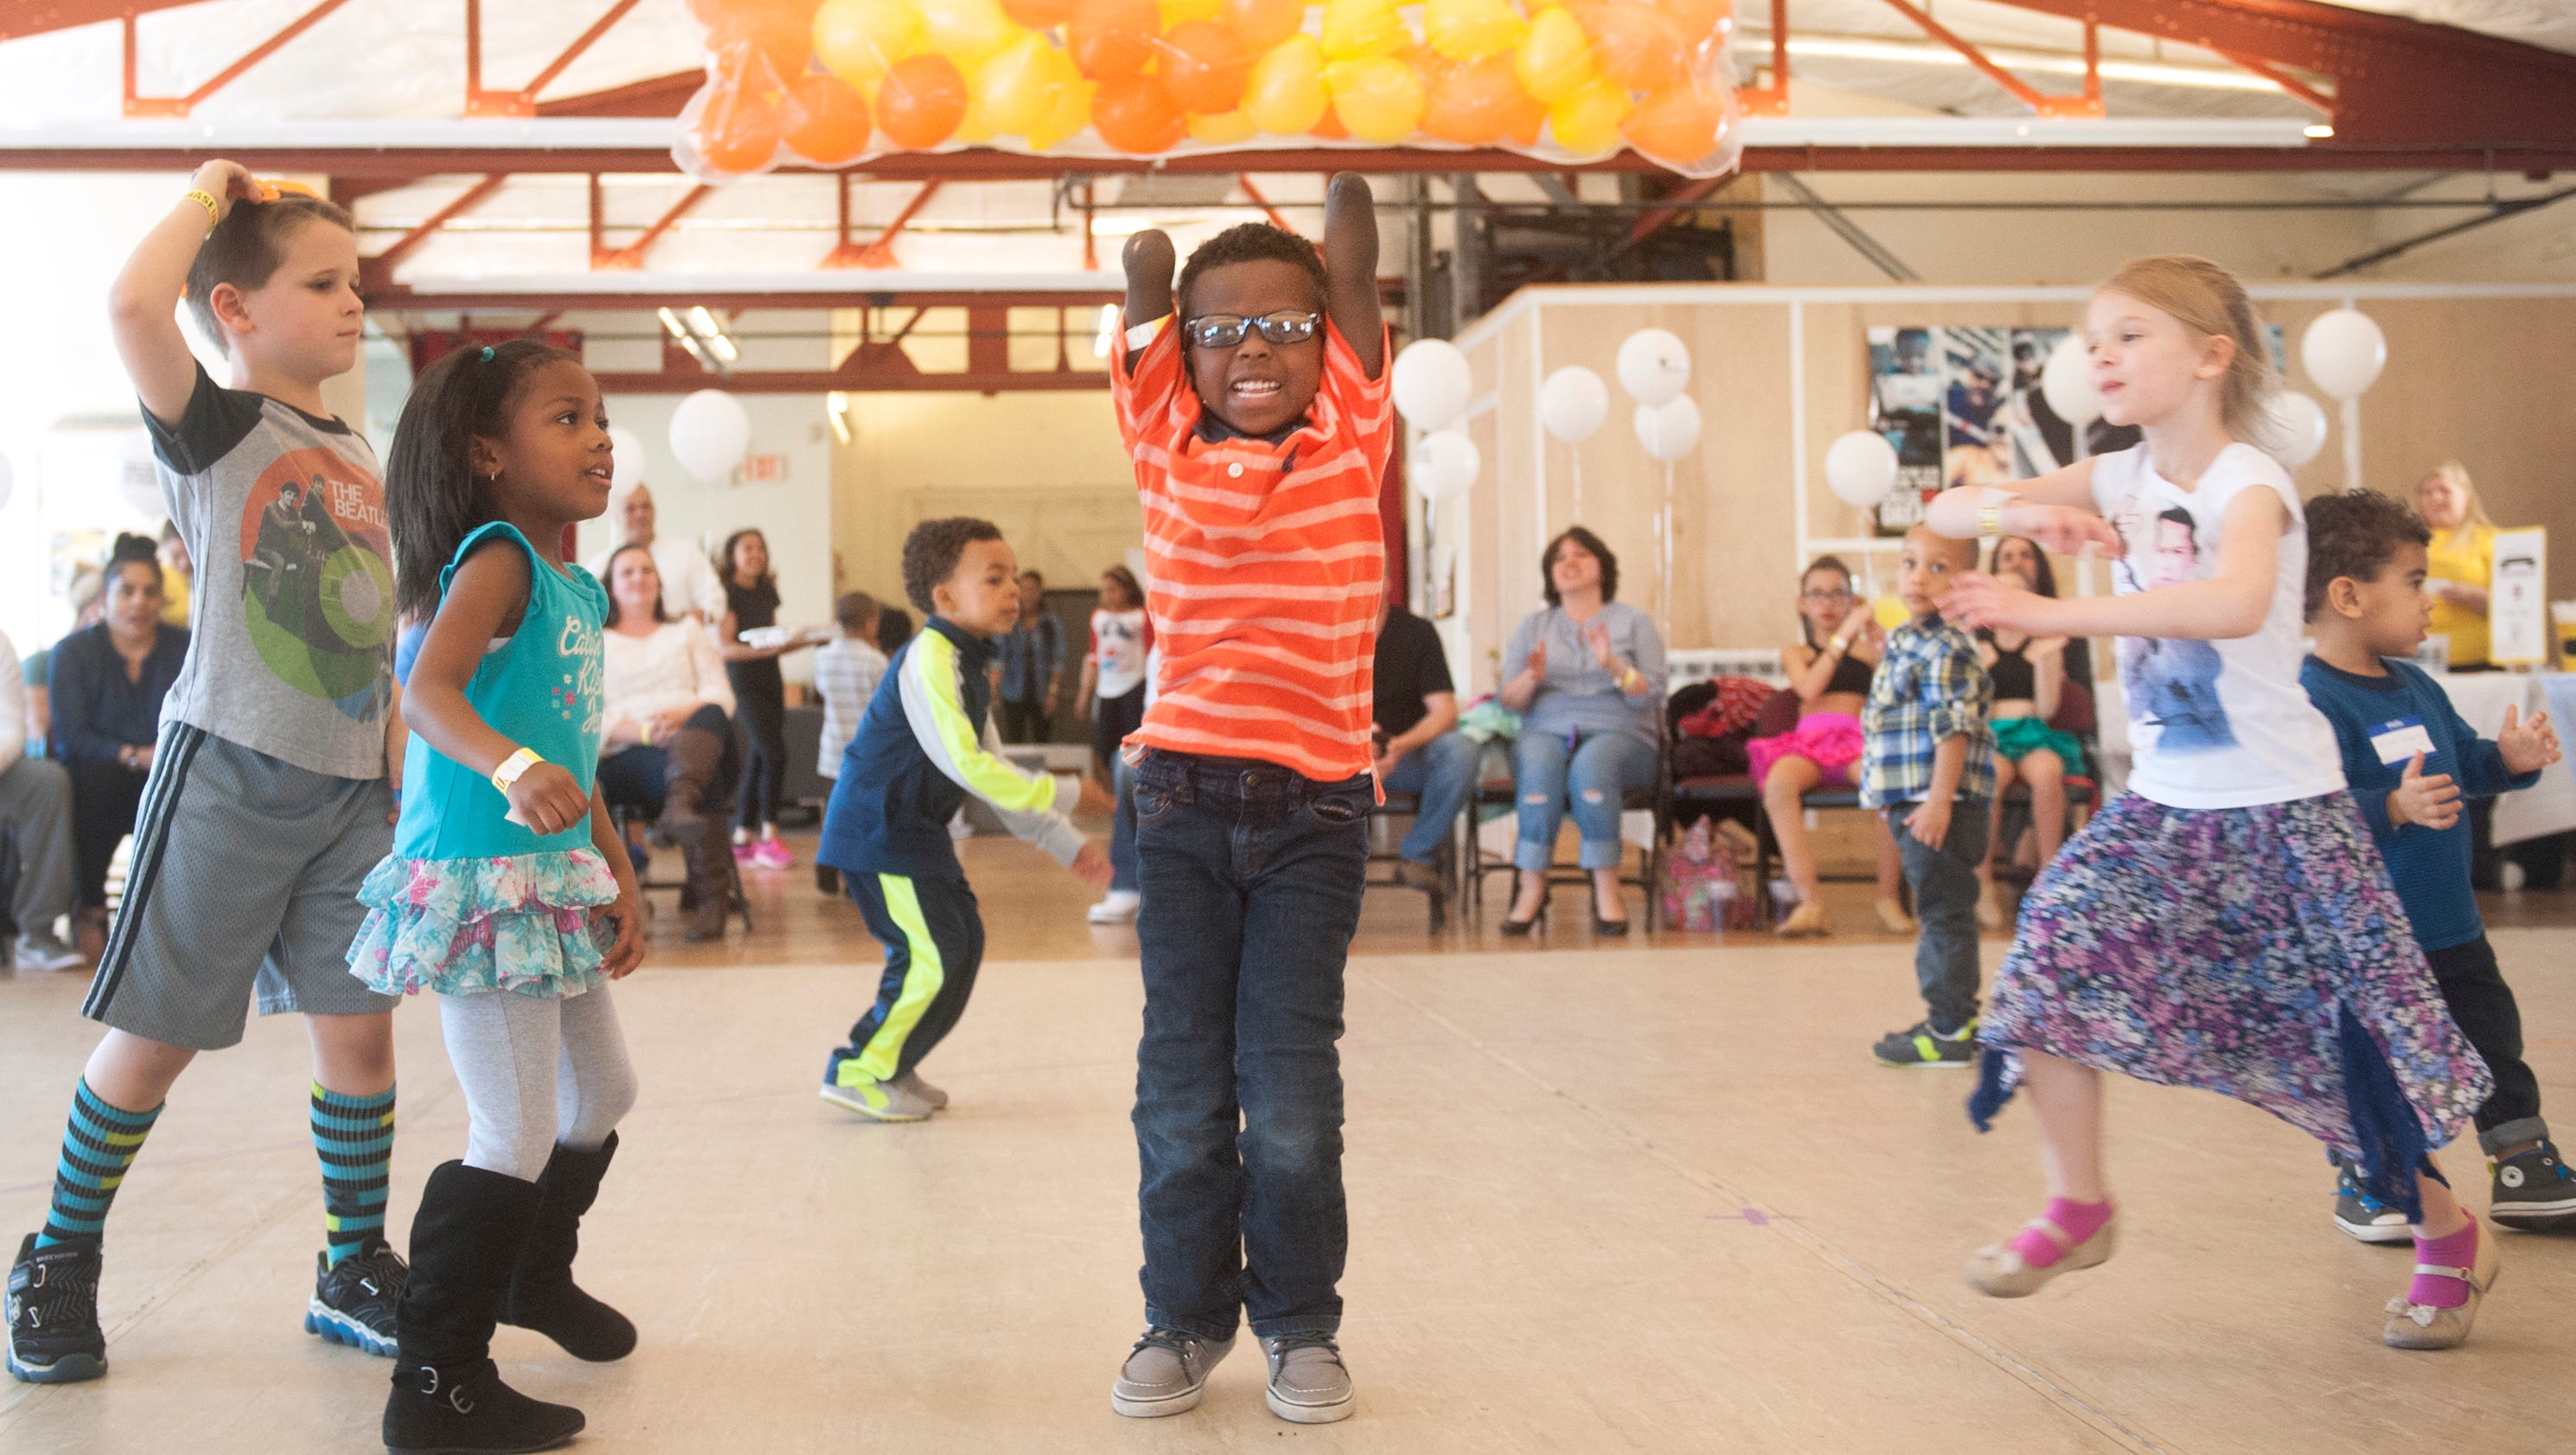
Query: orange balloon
{"type": "Point", "coordinates": [711, 13]}
{"type": "Point", "coordinates": [827, 120]}
{"type": "Point", "coordinates": [1113, 39]}
{"type": "Point", "coordinates": [1699, 19]}
{"type": "Point", "coordinates": [1038, 14]}
{"type": "Point", "coordinates": [1137, 116]}
{"type": "Point", "coordinates": [738, 128]}
{"type": "Point", "coordinates": [1264, 23]}
{"type": "Point", "coordinates": [1204, 66]}
{"type": "Point", "coordinates": [1523, 119]}
{"type": "Point", "coordinates": [1330, 128]}
{"type": "Point", "coordinates": [1678, 128]}
{"type": "Point", "coordinates": [921, 102]}
{"type": "Point", "coordinates": [1475, 105]}
{"type": "Point", "coordinates": [1636, 45]}
{"type": "Point", "coordinates": [783, 34]}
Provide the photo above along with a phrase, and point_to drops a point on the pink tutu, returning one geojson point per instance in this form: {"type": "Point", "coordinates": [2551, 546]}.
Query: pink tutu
{"type": "Point", "coordinates": [1830, 740]}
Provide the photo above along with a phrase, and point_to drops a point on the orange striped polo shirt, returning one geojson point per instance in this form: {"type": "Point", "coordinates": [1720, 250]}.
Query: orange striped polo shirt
{"type": "Point", "coordinates": [1267, 564]}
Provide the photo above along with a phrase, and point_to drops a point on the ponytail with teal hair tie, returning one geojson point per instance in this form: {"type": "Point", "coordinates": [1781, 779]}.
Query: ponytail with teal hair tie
{"type": "Point", "coordinates": [487, 353]}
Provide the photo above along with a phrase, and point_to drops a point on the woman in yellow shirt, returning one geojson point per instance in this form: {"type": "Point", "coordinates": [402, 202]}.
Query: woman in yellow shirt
{"type": "Point", "coordinates": [2461, 562]}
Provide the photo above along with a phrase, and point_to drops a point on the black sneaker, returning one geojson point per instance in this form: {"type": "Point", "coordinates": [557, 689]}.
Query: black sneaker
{"type": "Point", "coordinates": [2534, 1191]}
{"type": "Point", "coordinates": [1920, 1045]}
{"type": "Point", "coordinates": [53, 1313]}
{"type": "Point", "coordinates": [2363, 1217]}
{"type": "Point", "coordinates": [353, 1304]}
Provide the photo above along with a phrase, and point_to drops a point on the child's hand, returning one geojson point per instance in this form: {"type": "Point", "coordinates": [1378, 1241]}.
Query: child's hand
{"type": "Point", "coordinates": [228, 183]}
{"type": "Point", "coordinates": [1855, 623]}
{"type": "Point", "coordinates": [547, 800]}
{"type": "Point", "coordinates": [627, 950]}
{"type": "Point", "coordinates": [2433, 802]}
{"type": "Point", "coordinates": [397, 741]}
{"type": "Point", "coordinates": [2527, 746]}
{"type": "Point", "coordinates": [1977, 599]}
{"type": "Point", "coordinates": [1929, 823]}
{"type": "Point", "coordinates": [2061, 528]}
{"type": "Point", "coordinates": [1091, 866]}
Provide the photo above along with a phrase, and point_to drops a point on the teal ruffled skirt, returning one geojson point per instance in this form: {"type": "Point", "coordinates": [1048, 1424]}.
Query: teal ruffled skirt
{"type": "Point", "coordinates": [2018, 737]}
{"type": "Point", "coordinates": [522, 923]}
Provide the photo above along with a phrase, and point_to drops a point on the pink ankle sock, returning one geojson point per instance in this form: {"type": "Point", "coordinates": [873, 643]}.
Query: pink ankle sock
{"type": "Point", "coordinates": [2079, 1220]}
{"type": "Point", "coordinates": [2460, 1250]}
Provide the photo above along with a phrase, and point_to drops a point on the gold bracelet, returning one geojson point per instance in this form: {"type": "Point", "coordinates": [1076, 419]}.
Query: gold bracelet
{"type": "Point", "coordinates": [206, 199]}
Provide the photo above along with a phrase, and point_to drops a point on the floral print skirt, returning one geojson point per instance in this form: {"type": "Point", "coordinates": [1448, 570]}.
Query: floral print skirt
{"type": "Point", "coordinates": [2255, 952]}
{"type": "Point", "coordinates": [521, 923]}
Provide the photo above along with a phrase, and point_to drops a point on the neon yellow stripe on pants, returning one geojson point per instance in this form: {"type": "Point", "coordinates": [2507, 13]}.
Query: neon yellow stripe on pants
{"type": "Point", "coordinates": [921, 979]}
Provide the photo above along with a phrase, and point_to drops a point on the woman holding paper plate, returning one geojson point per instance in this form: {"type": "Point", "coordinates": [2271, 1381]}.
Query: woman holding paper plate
{"type": "Point", "coordinates": [751, 642]}
{"type": "Point", "coordinates": [2461, 562]}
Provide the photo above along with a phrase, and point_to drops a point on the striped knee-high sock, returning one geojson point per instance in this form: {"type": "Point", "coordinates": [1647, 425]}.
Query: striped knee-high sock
{"type": "Point", "coordinates": [99, 1143]}
{"type": "Point", "coordinates": [354, 1136]}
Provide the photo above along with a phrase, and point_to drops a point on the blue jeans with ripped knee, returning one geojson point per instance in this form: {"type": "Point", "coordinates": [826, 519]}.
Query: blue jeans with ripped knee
{"type": "Point", "coordinates": [1593, 777]}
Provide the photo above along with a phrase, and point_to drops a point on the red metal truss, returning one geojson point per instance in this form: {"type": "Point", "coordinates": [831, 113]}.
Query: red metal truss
{"type": "Point", "coordinates": [1244, 180]}
{"type": "Point", "coordinates": [880, 252]}
{"type": "Point", "coordinates": [376, 271]}
{"type": "Point", "coordinates": [36, 17]}
{"type": "Point", "coordinates": [523, 102]}
{"type": "Point", "coordinates": [138, 105]}
{"type": "Point", "coordinates": [2089, 104]}
{"type": "Point", "coordinates": [630, 258]}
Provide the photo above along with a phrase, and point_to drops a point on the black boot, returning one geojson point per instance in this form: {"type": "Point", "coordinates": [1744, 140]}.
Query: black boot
{"type": "Point", "coordinates": [709, 898]}
{"type": "Point", "coordinates": [466, 1240]}
{"type": "Point", "coordinates": [543, 1297]}
{"type": "Point", "coordinates": [693, 757]}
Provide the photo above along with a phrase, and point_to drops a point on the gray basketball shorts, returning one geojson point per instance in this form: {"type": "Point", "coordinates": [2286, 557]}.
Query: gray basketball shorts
{"type": "Point", "coordinates": [244, 879]}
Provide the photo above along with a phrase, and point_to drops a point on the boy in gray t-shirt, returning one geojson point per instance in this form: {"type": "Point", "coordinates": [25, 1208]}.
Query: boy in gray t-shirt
{"type": "Point", "coordinates": [270, 793]}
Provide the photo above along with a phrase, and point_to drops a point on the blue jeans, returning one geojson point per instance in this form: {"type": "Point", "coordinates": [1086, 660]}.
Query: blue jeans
{"type": "Point", "coordinates": [1944, 882]}
{"type": "Point", "coordinates": [1122, 828]}
{"type": "Point", "coordinates": [1443, 772]}
{"type": "Point", "coordinates": [1594, 777]}
{"type": "Point", "coordinates": [1252, 877]}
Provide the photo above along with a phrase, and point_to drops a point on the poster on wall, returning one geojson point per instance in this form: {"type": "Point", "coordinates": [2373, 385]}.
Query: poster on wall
{"type": "Point", "coordinates": [1905, 407]}
{"type": "Point", "coordinates": [2517, 609]}
{"type": "Point", "coordinates": [1963, 406]}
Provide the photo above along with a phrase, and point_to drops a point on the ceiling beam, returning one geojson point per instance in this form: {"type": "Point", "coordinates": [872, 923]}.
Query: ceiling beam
{"type": "Point", "coordinates": [37, 17]}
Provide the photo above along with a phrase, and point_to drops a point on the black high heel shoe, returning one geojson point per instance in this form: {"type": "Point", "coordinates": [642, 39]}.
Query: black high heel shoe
{"type": "Point", "coordinates": [1519, 928]}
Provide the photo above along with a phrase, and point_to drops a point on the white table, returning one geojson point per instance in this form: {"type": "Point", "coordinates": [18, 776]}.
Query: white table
{"type": "Point", "coordinates": [2549, 806]}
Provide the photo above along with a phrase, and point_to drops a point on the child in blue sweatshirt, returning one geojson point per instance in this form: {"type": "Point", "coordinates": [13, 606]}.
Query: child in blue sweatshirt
{"type": "Point", "coordinates": [2410, 759]}
{"type": "Point", "coordinates": [924, 744]}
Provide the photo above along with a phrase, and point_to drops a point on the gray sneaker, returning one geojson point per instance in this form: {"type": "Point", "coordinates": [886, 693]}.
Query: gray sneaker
{"type": "Point", "coordinates": [911, 1081]}
{"type": "Point", "coordinates": [1165, 1373]}
{"type": "Point", "coordinates": [39, 950]}
{"type": "Point", "coordinates": [886, 1101]}
{"type": "Point", "coordinates": [1308, 1384]}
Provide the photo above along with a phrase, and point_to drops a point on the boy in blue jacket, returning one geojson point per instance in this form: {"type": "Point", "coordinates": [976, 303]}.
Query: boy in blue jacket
{"type": "Point", "coordinates": [924, 744]}
{"type": "Point", "coordinates": [2410, 759]}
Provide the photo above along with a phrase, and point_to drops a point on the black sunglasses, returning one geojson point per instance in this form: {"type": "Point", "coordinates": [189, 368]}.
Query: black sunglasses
{"type": "Point", "coordinates": [1225, 331]}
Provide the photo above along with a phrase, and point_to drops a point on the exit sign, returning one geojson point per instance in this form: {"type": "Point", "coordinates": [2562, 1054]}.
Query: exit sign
{"type": "Point", "coordinates": [764, 469]}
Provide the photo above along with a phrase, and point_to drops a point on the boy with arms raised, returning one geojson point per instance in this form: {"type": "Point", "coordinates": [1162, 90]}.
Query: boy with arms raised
{"type": "Point", "coordinates": [1260, 423]}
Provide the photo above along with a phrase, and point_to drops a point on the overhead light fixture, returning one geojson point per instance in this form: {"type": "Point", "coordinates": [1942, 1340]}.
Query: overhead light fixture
{"type": "Point", "coordinates": [836, 407]}
{"type": "Point", "coordinates": [2151, 73]}
{"type": "Point", "coordinates": [2317, 131]}
{"type": "Point", "coordinates": [671, 321]}
{"type": "Point", "coordinates": [1108, 334]}
{"type": "Point", "coordinates": [702, 337]}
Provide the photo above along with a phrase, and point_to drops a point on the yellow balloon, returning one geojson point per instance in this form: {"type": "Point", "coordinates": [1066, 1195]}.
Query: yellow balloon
{"type": "Point", "coordinates": [1176, 11]}
{"type": "Point", "coordinates": [1071, 114]}
{"type": "Point", "coordinates": [1226, 129]}
{"type": "Point", "coordinates": [1015, 90]}
{"type": "Point", "coordinates": [1357, 29]}
{"type": "Point", "coordinates": [969, 32]}
{"type": "Point", "coordinates": [1470, 30]}
{"type": "Point", "coordinates": [1587, 122]}
{"type": "Point", "coordinates": [1555, 60]}
{"type": "Point", "coordinates": [1285, 94]}
{"type": "Point", "coordinates": [1379, 98]}
{"type": "Point", "coordinates": [859, 40]}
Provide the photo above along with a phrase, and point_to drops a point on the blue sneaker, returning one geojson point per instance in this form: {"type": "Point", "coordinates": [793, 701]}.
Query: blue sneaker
{"type": "Point", "coordinates": [2363, 1217]}
{"type": "Point", "coordinates": [353, 1302]}
{"type": "Point", "coordinates": [53, 1313]}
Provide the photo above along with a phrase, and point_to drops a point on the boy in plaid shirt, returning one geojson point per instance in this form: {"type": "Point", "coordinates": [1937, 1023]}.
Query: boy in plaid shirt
{"type": "Point", "coordinates": [1928, 763]}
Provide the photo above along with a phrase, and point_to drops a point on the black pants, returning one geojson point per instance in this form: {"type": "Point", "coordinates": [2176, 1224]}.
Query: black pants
{"type": "Point", "coordinates": [2483, 1007]}
{"type": "Point", "coordinates": [934, 943]}
{"type": "Point", "coordinates": [105, 795]}
{"type": "Point", "coordinates": [1023, 722]}
{"type": "Point", "coordinates": [763, 718]}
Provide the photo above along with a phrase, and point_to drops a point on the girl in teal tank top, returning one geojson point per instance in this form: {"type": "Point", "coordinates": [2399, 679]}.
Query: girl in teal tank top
{"type": "Point", "coordinates": [507, 893]}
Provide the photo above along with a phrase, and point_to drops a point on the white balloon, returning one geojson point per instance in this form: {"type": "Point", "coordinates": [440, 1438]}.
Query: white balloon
{"type": "Point", "coordinates": [1573, 403]}
{"type": "Point", "coordinates": [5, 480]}
{"type": "Point", "coordinates": [2344, 352]}
{"type": "Point", "coordinates": [2299, 425]}
{"type": "Point", "coordinates": [1654, 367]}
{"type": "Point", "coordinates": [1432, 383]}
{"type": "Point", "coordinates": [710, 432]}
{"type": "Point", "coordinates": [2067, 383]}
{"type": "Point", "coordinates": [1860, 468]}
{"type": "Point", "coordinates": [1670, 430]}
{"type": "Point", "coordinates": [1446, 465]}
{"type": "Point", "coordinates": [137, 481]}
{"type": "Point", "coordinates": [625, 459]}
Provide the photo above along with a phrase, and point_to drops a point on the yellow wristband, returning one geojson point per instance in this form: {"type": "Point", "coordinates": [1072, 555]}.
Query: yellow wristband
{"type": "Point", "coordinates": [1990, 521]}
{"type": "Point", "coordinates": [512, 767]}
{"type": "Point", "coordinates": [206, 199]}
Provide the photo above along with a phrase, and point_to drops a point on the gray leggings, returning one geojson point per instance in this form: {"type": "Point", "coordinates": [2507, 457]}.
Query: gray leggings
{"type": "Point", "coordinates": [536, 1072]}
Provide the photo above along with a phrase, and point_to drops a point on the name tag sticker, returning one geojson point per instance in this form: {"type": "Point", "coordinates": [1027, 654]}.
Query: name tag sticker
{"type": "Point", "coordinates": [2395, 742]}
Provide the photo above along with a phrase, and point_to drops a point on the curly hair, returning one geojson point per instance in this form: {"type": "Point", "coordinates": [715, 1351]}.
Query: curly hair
{"type": "Point", "coordinates": [2356, 534]}
{"type": "Point", "coordinates": [246, 248]}
{"type": "Point", "coordinates": [1589, 542]}
{"type": "Point", "coordinates": [931, 553]}
{"type": "Point", "coordinates": [433, 498]}
{"type": "Point", "coordinates": [1249, 242]}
